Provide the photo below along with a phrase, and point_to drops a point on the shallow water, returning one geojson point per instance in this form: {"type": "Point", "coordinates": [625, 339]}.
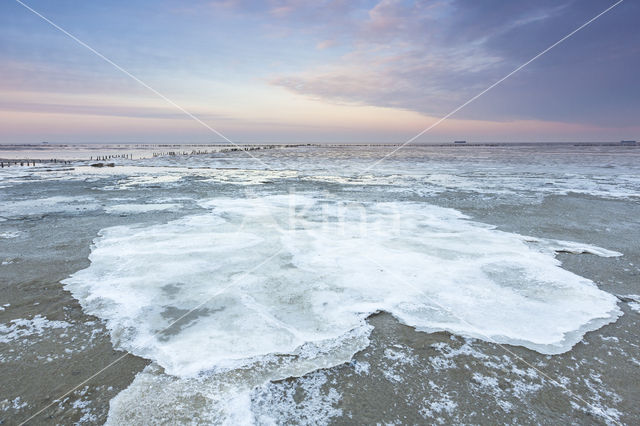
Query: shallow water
{"type": "Point", "coordinates": [253, 293]}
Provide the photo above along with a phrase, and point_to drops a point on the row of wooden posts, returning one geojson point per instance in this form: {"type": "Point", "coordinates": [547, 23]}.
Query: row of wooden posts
{"type": "Point", "coordinates": [9, 163]}
{"type": "Point", "coordinates": [206, 151]}
{"type": "Point", "coordinates": [109, 157]}
{"type": "Point", "coordinates": [23, 162]}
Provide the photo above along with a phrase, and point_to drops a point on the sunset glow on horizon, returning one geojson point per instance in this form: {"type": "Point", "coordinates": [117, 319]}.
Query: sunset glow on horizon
{"type": "Point", "coordinates": [331, 71]}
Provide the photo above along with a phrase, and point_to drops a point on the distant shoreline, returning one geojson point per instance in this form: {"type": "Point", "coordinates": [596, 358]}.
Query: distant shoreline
{"type": "Point", "coordinates": [64, 153]}
{"type": "Point", "coordinates": [49, 145]}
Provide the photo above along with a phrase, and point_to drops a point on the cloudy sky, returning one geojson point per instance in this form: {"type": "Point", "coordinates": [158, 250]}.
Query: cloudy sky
{"type": "Point", "coordinates": [314, 71]}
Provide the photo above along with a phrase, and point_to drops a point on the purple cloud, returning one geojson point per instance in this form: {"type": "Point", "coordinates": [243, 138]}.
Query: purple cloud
{"type": "Point", "coordinates": [432, 56]}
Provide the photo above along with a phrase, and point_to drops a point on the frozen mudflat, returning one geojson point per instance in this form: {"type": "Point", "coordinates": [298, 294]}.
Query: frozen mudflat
{"type": "Point", "coordinates": [277, 295]}
{"type": "Point", "coordinates": [248, 285]}
{"type": "Point", "coordinates": [276, 283]}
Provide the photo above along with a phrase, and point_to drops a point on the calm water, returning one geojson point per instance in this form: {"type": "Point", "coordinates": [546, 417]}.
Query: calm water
{"type": "Point", "coordinates": [301, 285]}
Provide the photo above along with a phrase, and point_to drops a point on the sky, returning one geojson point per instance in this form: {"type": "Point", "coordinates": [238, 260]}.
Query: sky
{"type": "Point", "coordinates": [318, 71]}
